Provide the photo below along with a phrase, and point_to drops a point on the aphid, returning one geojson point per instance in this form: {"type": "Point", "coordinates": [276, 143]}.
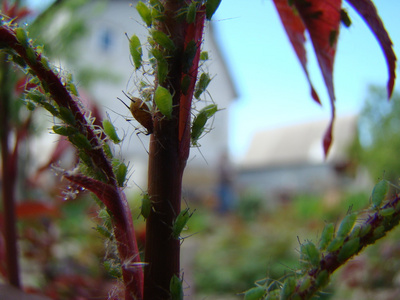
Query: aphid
{"type": "Point", "coordinates": [141, 112]}
{"type": "Point", "coordinates": [175, 288]}
{"type": "Point", "coordinates": [180, 223]}
{"type": "Point", "coordinates": [309, 254]}
{"type": "Point", "coordinates": [110, 131]}
{"type": "Point", "coordinates": [288, 288]}
{"type": "Point", "coordinates": [344, 17]}
{"type": "Point", "coordinates": [67, 116]}
{"type": "Point", "coordinates": [45, 63]}
{"type": "Point", "coordinates": [355, 232]}
{"type": "Point", "coordinates": [326, 236]}
{"type": "Point", "coordinates": [273, 295]}
{"type": "Point", "coordinates": [200, 121]}
{"type": "Point", "coordinates": [22, 36]}
{"type": "Point", "coordinates": [30, 105]}
{"type": "Point", "coordinates": [346, 225]}
{"type": "Point", "coordinates": [188, 56]}
{"type": "Point", "coordinates": [146, 206]}
{"type": "Point", "coordinates": [163, 40]}
{"type": "Point", "coordinates": [30, 53]}
{"type": "Point", "coordinates": [163, 100]}
{"type": "Point", "coordinates": [379, 232]}
{"type": "Point", "coordinates": [162, 65]}
{"type": "Point", "coordinates": [113, 269]}
{"type": "Point", "coordinates": [72, 88]}
{"type": "Point", "coordinates": [255, 293]}
{"type": "Point", "coordinates": [305, 284]}
{"type": "Point", "coordinates": [387, 211]}
{"type": "Point", "coordinates": [64, 130]}
{"type": "Point", "coordinates": [349, 249]}
{"type": "Point", "coordinates": [191, 12]}
{"type": "Point", "coordinates": [185, 84]}
{"type": "Point", "coordinates": [202, 84]}
{"type": "Point", "coordinates": [120, 173]}
{"type": "Point", "coordinates": [104, 231]}
{"type": "Point", "coordinates": [322, 279]}
{"type": "Point", "coordinates": [203, 55]}
{"type": "Point", "coordinates": [80, 141]}
{"type": "Point", "coordinates": [379, 193]}
{"type": "Point", "coordinates": [365, 229]}
{"type": "Point", "coordinates": [135, 48]}
{"type": "Point", "coordinates": [50, 108]}
{"type": "Point", "coordinates": [211, 7]}
{"type": "Point", "coordinates": [335, 244]}
{"type": "Point", "coordinates": [145, 13]}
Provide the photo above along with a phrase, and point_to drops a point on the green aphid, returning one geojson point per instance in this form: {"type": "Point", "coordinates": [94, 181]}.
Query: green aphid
{"type": "Point", "coordinates": [104, 232]}
{"type": "Point", "coordinates": [135, 48]}
{"type": "Point", "coordinates": [379, 232]}
{"type": "Point", "coordinates": [120, 174]}
{"type": "Point", "coordinates": [18, 60]}
{"type": "Point", "coordinates": [188, 56]}
{"type": "Point", "coordinates": [145, 13]}
{"type": "Point", "coordinates": [200, 121]}
{"type": "Point", "coordinates": [111, 132]}
{"type": "Point", "coordinates": [50, 108]}
{"type": "Point", "coordinates": [349, 249]}
{"type": "Point", "coordinates": [379, 193]}
{"type": "Point", "coordinates": [30, 105]}
{"type": "Point", "coordinates": [346, 225]}
{"type": "Point", "coordinates": [45, 63]}
{"type": "Point", "coordinates": [322, 279]}
{"type": "Point", "coordinates": [333, 37]}
{"type": "Point", "coordinates": [67, 116]}
{"type": "Point", "coordinates": [64, 130]}
{"type": "Point", "coordinates": [202, 84]}
{"type": "Point", "coordinates": [326, 236]}
{"type": "Point", "coordinates": [203, 55]}
{"type": "Point", "coordinates": [185, 84]}
{"type": "Point", "coordinates": [273, 295]}
{"type": "Point", "coordinates": [335, 244]}
{"type": "Point", "coordinates": [255, 293]}
{"type": "Point", "coordinates": [80, 141]}
{"type": "Point", "coordinates": [175, 288]}
{"type": "Point", "coordinates": [30, 53]}
{"type": "Point", "coordinates": [163, 40]}
{"type": "Point", "coordinates": [387, 211]}
{"type": "Point", "coordinates": [355, 232]}
{"type": "Point", "coordinates": [146, 206]}
{"type": "Point", "coordinates": [22, 36]}
{"type": "Point", "coordinates": [365, 229]}
{"type": "Point", "coordinates": [180, 223]}
{"type": "Point", "coordinates": [72, 88]}
{"type": "Point", "coordinates": [310, 254]}
{"type": "Point", "coordinates": [162, 65]}
{"type": "Point", "coordinates": [344, 17]}
{"type": "Point", "coordinates": [163, 100]}
{"type": "Point", "coordinates": [305, 284]}
{"type": "Point", "coordinates": [191, 12]}
{"type": "Point", "coordinates": [113, 269]}
{"type": "Point", "coordinates": [36, 96]}
{"type": "Point", "coordinates": [211, 7]}
{"type": "Point", "coordinates": [288, 288]}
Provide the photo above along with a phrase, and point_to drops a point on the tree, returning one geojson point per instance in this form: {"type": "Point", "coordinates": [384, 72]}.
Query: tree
{"type": "Point", "coordinates": [378, 135]}
{"type": "Point", "coordinates": [175, 36]}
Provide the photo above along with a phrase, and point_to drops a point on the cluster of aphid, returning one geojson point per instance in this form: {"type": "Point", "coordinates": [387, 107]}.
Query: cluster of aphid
{"type": "Point", "coordinates": [318, 262]}
{"type": "Point", "coordinates": [161, 47]}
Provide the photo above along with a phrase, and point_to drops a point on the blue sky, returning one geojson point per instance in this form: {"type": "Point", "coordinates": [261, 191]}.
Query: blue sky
{"type": "Point", "coordinates": [272, 88]}
{"type": "Point", "coordinates": [271, 85]}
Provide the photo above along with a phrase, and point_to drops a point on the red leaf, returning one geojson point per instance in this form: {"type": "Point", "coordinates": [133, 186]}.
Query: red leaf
{"type": "Point", "coordinates": [295, 29]}
{"type": "Point", "coordinates": [368, 12]}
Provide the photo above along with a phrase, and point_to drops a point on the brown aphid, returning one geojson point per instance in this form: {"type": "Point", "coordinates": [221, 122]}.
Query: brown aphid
{"type": "Point", "coordinates": [141, 112]}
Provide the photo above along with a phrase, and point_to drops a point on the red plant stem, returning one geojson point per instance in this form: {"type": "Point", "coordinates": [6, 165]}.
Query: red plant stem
{"type": "Point", "coordinates": [168, 153]}
{"type": "Point", "coordinates": [9, 169]}
{"type": "Point", "coordinates": [111, 196]}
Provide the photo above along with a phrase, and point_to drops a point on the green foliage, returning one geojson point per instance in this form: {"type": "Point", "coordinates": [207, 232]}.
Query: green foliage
{"type": "Point", "coordinates": [378, 138]}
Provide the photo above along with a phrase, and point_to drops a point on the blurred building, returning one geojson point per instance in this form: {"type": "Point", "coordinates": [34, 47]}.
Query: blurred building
{"type": "Point", "coordinates": [283, 161]}
{"type": "Point", "coordinates": [106, 48]}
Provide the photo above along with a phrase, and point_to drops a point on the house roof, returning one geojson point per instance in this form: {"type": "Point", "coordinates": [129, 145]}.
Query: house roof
{"type": "Point", "coordinates": [299, 144]}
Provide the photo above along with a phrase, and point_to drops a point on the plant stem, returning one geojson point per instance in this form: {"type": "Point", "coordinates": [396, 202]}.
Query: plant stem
{"type": "Point", "coordinates": [9, 169]}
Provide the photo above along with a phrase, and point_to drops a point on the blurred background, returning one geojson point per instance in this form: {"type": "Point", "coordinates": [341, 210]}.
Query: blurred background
{"type": "Point", "coordinates": [259, 181]}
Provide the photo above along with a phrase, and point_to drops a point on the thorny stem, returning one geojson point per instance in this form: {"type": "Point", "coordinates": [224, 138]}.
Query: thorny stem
{"type": "Point", "coordinates": [107, 189]}
{"type": "Point", "coordinates": [168, 153]}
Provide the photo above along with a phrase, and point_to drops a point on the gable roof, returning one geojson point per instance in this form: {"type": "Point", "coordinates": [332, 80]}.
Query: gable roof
{"type": "Point", "coordinates": [299, 144]}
